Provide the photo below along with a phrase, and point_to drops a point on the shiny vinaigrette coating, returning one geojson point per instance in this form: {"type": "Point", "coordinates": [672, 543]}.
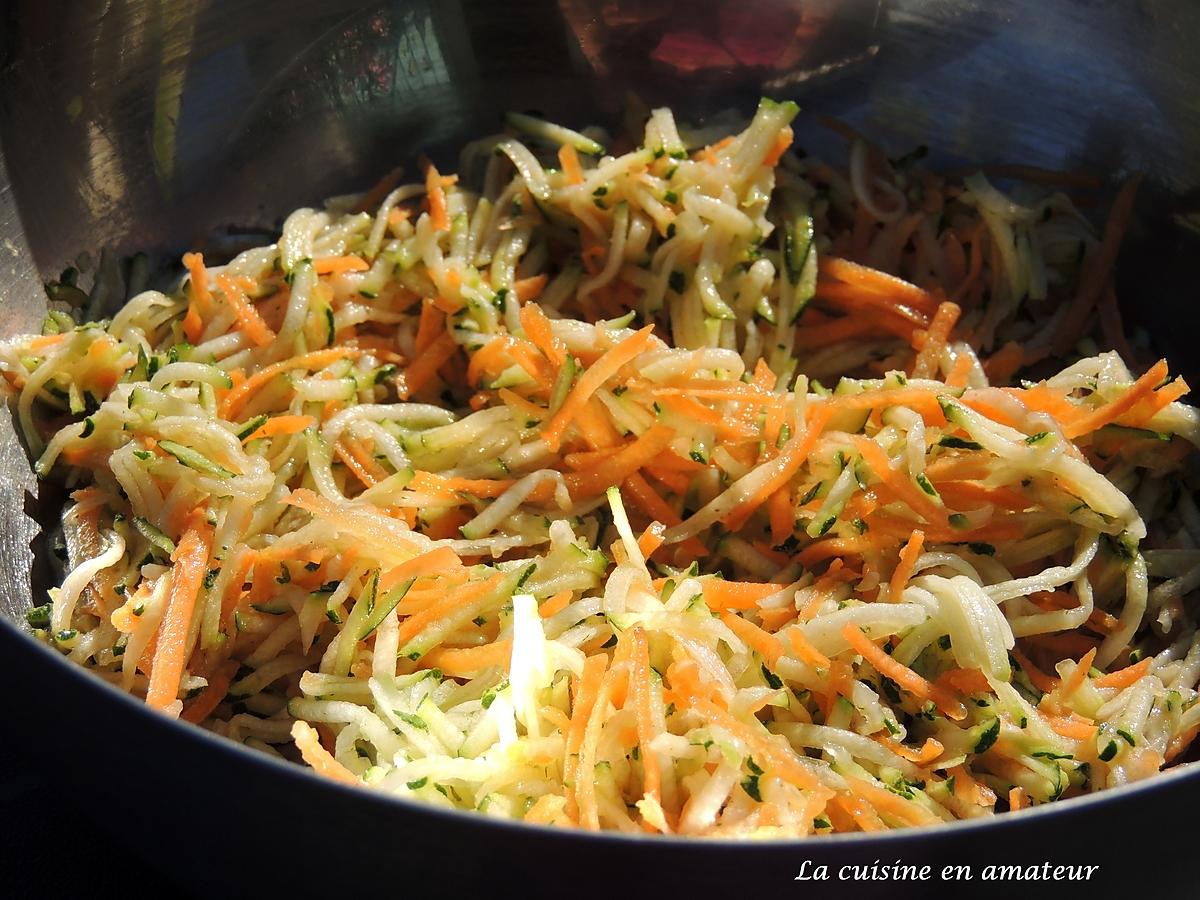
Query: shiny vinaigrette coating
{"type": "Point", "coordinates": [677, 482]}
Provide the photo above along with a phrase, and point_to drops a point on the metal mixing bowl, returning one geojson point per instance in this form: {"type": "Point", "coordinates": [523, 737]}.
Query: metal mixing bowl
{"type": "Point", "coordinates": [143, 125]}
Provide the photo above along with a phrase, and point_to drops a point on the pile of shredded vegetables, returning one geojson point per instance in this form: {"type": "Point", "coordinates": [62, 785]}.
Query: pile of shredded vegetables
{"type": "Point", "coordinates": [528, 497]}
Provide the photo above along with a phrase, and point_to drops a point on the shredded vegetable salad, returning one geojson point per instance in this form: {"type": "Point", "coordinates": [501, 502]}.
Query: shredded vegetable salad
{"type": "Point", "coordinates": [676, 484]}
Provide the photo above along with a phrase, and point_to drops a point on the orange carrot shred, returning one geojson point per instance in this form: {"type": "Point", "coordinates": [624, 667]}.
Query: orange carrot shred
{"type": "Point", "coordinates": [1075, 680]}
{"type": "Point", "coordinates": [251, 322]}
{"type": "Point", "coordinates": [1112, 410]}
{"type": "Point", "coordinates": [1002, 365]}
{"type": "Point", "coordinates": [568, 158]}
{"type": "Point", "coordinates": [772, 756]}
{"type": "Point", "coordinates": [280, 425]}
{"type": "Point", "coordinates": [901, 674]}
{"type": "Point", "coordinates": [965, 681]}
{"type": "Point", "coordinates": [1123, 678]}
{"type": "Point", "coordinates": [967, 788]}
{"type": "Point", "coordinates": [780, 515]}
{"type": "Point", "coordinates": [908, 562]}
{"type": "Point", "coordinates": [768, 646]}
{"type": "Point", "coordinates": [960, 372]}
{"type": "Point", "coordinates": [530, 288]}
{"type": "Point", "coordinates": [555, 604]}
{"type": "Point", "coordinates": [929, 752]}
{"type": "Point", "coordinates": [194, 263]}
{"type": "Point", "coordinates": [793, 455]}
{"type": "Point", "coordinates": [875, 282]}
{"type": "Point", "coordinates": [579, 781]}
{"type": "Point", "coordinates": [720, 594]}
{"type": "Point", "coordinates": [430, 324]}
{"type": "Point", "coordinates": [1073, 727]}
{"type": "Point", "coordinates": [898, 482]}
{"type": "Point", "coordinates": [537, 327]}
{"type": "Point", "coordinates": [1039, 679]}
{"type": "Point", "coordinates": [337, 265]}
{"type": "Point", "coordinates": [425, 366]}
{"type": "Point", "coordinates": [884, 801]}
{"type": "Point", "coordinates": [943, 323]}
{"type": "Point", "coordinates": [365, 469]}
{"type": "Point", "coordinates": [190, 560]}
{"type": "Point", "coordinates": [600, 371]}
{"type": "Point", "coordinates": [436, 194]}
{"type": "Point", "coordinates": [641, 686]}
{"type": "Point", "coordinates": [651, 539]}
{"type": "Point", "coordinates": [193, 325]}
{"type": "Point", "coordinates": [780, 147]}
{"type": "Point", "coordinates": [622, 464]}
{"type": "Point", "coordinates": [646, 499]}
{"type": "Point", "coordinates": [447, 486]}
{"type": "Point", "coordinates": [460, 662]}
{"type": "Point", "coordinates": [196, 711]}
{"type": "Point", "coordinates": [804, 649]}
{"type": "Point", "coordinates": [321, 760]}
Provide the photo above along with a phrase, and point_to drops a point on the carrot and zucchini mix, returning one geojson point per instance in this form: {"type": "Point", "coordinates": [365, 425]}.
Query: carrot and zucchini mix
{"type": "Point", "coordinates": [684, 487]}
